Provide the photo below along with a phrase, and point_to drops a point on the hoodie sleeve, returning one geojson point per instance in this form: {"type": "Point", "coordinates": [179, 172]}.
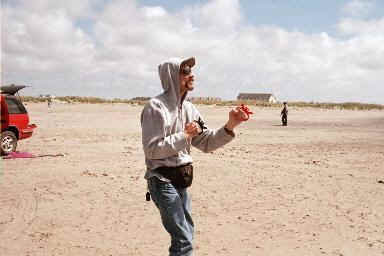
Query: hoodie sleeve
{"type": "Point", "coordinates": [156, 144]}
{"type": "Point", "coordinates": [210, 139]}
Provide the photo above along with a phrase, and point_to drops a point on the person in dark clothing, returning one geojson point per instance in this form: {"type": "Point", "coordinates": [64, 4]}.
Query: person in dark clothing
{"type": "Point", "coordinates": [49, 101]}
{"type": "Point", "coordinates": [284, 114]}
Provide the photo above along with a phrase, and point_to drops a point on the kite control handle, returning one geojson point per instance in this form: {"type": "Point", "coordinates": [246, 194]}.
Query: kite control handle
{"type": "Point", "coordinates": [247, 111]}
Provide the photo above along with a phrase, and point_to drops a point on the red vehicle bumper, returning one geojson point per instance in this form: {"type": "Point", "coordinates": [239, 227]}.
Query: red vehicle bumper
{"type": "Point", "coordinates": [27, 132]}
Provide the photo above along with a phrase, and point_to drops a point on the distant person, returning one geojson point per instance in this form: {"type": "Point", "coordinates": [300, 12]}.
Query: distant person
{"type": "Point", "coordinates": [284, 114]}
{"type": "Point", "coordinates": [49, 102]}
{"type": "Point", "coordinates": [170, 126]}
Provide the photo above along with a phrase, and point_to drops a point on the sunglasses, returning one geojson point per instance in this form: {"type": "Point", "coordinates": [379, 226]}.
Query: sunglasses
{"type": "Point", "coordinates": [186, 70]}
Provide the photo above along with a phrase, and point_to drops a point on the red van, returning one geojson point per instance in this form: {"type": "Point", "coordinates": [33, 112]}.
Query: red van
{"type": "Point", "coordinates": [14, 119]}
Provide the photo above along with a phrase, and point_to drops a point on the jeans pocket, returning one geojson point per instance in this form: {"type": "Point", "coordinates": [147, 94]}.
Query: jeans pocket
{"type": "Point", "coordinates": [165, 195]}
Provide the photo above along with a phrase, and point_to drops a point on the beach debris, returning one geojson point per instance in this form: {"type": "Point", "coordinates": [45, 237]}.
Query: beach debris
{"type": "Point", "coordinates": [380, 181]}
{"type": "Point", "coordinates": [50, 155]}
{"type": "Point", "coordinates": [41, 236]}
{"type": "Point", "coordinates": [89, 173]}
{"type": "Point", "coordinates": [313, 162]}
{"type": "Point", "coordinates": [97, 174]}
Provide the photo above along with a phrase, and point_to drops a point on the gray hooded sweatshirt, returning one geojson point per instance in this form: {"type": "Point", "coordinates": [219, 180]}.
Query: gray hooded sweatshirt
{"type": "Point", "coordinates": [163, 120]}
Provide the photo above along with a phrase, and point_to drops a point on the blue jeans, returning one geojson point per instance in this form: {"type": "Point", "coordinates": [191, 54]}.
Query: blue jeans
{"type": "Point", "coordinates": [175, 210]}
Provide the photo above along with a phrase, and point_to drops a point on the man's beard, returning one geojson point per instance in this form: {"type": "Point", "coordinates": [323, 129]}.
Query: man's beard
{"type": "Point", "coordinates": [190, 85]}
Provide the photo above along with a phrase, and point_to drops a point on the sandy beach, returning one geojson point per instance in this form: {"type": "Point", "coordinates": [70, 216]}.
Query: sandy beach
{"type": "Point", "coordinates": [315, 187]}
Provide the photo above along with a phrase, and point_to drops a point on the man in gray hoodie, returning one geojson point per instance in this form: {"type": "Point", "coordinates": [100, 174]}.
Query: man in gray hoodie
{"type": "Point", "coordinates": [170, 126]}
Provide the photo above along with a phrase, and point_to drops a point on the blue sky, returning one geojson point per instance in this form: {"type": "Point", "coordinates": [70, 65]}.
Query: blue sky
{"type": "Point", "coordinates": [326, 51]}
{"type": "Point", "coordinates": [303, 15]}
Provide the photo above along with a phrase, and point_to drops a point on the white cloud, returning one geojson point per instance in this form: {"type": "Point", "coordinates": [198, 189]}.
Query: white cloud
{"type": "Point", "coordinates": [358, 8]}
{"type": "Point", "coordinates": [118, 54]}
{"type": "Point", "coordinates": [156, 11]}
{"type": "Point", "coordinates": [218, 15]}
{"type": "Point", "coordinates": [72, 8]}
{"type": "Point", "coordinates": [371, 27]}
{"type": "Point", "coordinates": [44, 42]}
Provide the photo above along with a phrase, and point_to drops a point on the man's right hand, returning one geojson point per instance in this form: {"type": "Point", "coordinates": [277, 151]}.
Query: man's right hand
{"type": "Point", "coordinates": [191, 130]}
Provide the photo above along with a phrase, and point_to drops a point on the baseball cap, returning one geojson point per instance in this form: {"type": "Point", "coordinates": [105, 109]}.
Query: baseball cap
{"type": "Point", "coordinates": [188, 62]}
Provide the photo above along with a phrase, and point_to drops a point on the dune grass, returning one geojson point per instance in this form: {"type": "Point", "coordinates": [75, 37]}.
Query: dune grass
{"type": "Point", "coordinates": [143, 100]}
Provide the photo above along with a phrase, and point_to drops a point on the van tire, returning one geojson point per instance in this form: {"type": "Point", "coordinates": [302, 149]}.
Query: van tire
{"type": "Point", "coordinates": [8, 143]}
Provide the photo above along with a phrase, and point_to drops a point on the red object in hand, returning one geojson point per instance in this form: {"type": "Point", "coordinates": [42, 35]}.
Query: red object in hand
{"type": "Point", "coordinates": [246, 110]}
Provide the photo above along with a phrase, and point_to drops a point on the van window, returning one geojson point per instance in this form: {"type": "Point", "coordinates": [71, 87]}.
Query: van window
{"type": "Point", "coordinates": [15, 106]}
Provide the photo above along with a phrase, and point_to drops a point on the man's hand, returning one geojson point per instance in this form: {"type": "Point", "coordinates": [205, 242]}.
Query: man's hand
{"type": "Point", "coordinates": [235, 117]}
{"type": "Point", "coordinates": [192, 129]}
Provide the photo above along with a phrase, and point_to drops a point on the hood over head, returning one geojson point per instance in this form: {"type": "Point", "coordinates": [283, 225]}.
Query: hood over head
{"type": "Point", "coordinates": [169, 72]}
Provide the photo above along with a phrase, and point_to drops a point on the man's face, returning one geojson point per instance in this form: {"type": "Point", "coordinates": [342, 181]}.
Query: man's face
{"type": "Point", "coordinates": [186, 79]}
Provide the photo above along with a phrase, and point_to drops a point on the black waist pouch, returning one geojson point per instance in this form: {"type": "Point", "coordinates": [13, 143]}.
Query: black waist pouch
{"type": "Point", "coordinates": [180, 177]}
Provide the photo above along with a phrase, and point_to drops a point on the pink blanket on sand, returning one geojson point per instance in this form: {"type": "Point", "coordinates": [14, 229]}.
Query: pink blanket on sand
{"type": "Point", "coordinates": [18, 154]}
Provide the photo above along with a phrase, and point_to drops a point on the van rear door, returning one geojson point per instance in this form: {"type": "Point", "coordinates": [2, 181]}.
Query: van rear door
{"type": "Point", "coordinates": [18, 116]}
{"type": "Point", "coordinates": [4, 114]}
